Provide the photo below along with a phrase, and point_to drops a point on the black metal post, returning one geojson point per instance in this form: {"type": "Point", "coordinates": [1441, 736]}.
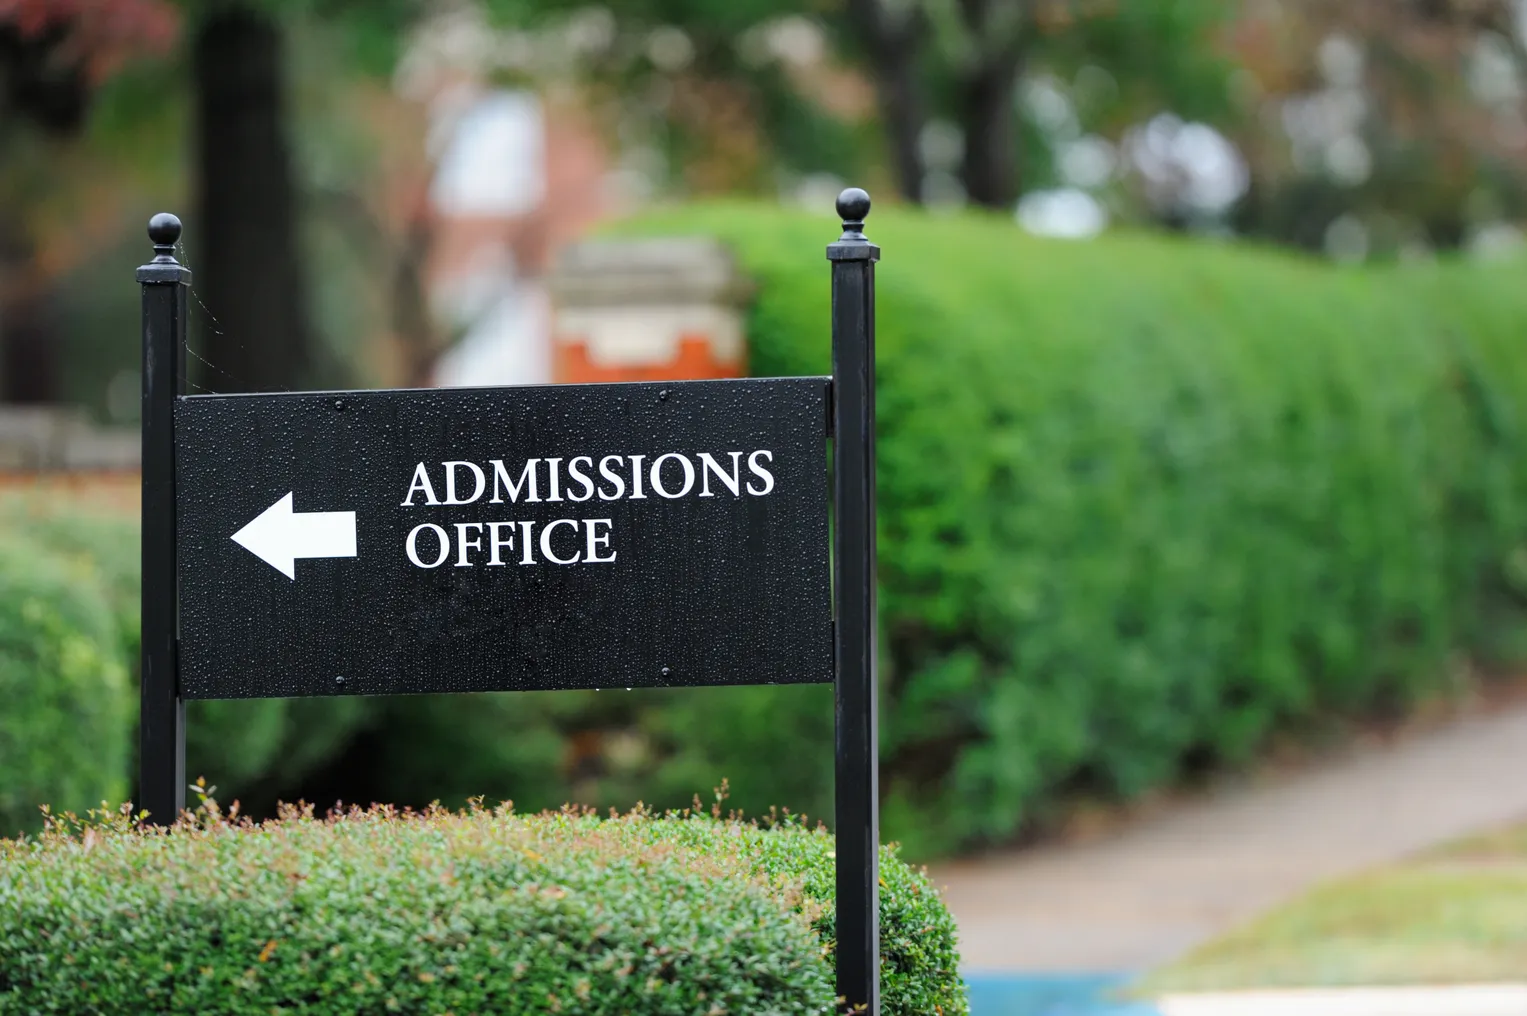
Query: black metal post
{"type": "Point", "coordinates": [162, 717]}
{"type": "Point", "coordinates": [857, 793]}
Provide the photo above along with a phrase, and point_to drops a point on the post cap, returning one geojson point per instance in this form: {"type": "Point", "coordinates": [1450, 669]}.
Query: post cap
{"type": "Point", "coordinates": [164, 231]}
{"type": "Point", "coordinates": [853, 245]}
{"type": "Point", "coordinates": [853, 207]}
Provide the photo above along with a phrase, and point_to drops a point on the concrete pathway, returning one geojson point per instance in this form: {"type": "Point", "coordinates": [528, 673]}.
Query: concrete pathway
{"type": "Point", "coordinates": [1156, 888]}
{"type": "Point", "coordinates": [1460, 1000]}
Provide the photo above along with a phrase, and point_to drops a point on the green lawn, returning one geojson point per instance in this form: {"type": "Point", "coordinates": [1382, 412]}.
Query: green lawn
{"type": "Point", "coordinates": [1453, 915]}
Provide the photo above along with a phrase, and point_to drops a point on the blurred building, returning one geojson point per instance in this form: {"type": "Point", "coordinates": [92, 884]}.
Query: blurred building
{"type": "Point", "coordinates": [647, 310]}
{"type": "Point", "coordinates": [512, 186]}
{"type": "Point", "coordinates": [529, 302]}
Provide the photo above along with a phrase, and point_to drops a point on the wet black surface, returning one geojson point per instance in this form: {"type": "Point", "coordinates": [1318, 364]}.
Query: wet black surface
{"type": "Point", "coordinates": [725, 589]}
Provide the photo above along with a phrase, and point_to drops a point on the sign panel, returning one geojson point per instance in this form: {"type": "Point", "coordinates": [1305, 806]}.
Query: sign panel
{"type": "Point", "coordinates": [452, 540]}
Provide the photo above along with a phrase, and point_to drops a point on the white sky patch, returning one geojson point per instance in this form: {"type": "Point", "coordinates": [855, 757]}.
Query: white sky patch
{"type": "Point", "coordinates": [494, 163]}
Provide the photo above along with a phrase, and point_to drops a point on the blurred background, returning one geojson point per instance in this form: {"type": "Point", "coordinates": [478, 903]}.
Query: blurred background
{"type": "Point", "coordinates": [1203, 380]}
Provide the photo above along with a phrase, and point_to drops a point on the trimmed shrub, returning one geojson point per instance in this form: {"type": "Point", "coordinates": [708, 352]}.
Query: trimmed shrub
{"type": "Point", "coordinates": [1146, 501]}
{"type": "Point", "coordinates": [475, 912]}
{"type": "Point", "coordinates": [65, 697]}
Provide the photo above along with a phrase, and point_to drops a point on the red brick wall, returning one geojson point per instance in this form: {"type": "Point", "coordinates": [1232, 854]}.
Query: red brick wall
{"type": "Point", "coordinates": [695, 360]}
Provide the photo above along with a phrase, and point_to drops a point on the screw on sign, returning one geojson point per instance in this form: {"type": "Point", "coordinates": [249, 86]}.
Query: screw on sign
{"type": "Point", "coordinates": [517, 538]}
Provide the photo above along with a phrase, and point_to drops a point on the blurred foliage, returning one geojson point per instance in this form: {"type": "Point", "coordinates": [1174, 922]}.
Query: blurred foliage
{"type": "Point", "coordinates": [1124, 538]}
{"type": "Point", "coordinates": [1402, 127]}
{"type": "Point", "coordinates": [1144, 503]}
{"type": "Point", "coordinates": [64, 681]}
{"type": "Point", "coordinates": [751, 96]}
{"type": "Point", "coordinates": [57, 190]}
{"type": "Point", "coordinates": [1117, 63]}
{"type": "Point", "coordinates": [688, 88]}
{"type": "Point", "coordinates": [368, 34]}
{"type": "Point", "coordinates": [602, 748]}
{"type": "Point", "coordinates": [252, 748]}
{"type": "Point", "coordinates": [1130, 529]}
{"type": "Point", "coordinates": [1366, 130]}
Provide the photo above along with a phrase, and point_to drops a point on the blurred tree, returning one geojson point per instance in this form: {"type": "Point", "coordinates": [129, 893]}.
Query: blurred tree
{"type": "Point", "coordinates": [711, 95]}
{"type": "Point", "coordinates": [892, 37]}
{"type": "Point", "coordinates": [53, 56]}
{"type": "Point", "coordinates": [1133, 61]}
{"type": "Point", "coordinates": [931, 63]}
{"type": "Point", "coordinates": [58, 57]}
{"type": "Point", "coordinates": [1384, 127]}
{"type": "Point", "coordinates": [250, 272]}
{"type": "Point", "coordinates": [981, 48]}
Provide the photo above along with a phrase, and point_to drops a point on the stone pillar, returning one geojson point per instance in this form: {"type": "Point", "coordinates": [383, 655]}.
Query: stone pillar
{"type": "Point", "coordinates": [647, 310]}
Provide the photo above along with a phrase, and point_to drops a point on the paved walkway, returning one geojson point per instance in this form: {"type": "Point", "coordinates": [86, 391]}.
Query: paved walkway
{"type": "Point", "coordinates": [1458, 1000]}
{"type": "Point", "coordinates": [1160, 886]}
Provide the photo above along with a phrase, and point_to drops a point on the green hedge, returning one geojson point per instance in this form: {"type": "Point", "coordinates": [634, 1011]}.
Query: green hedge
{"type": "Point", "coordinates": [415, 749]}
{"type": "Point", "coordinates": [1144, 504]}
{"type": "Point", "coordinates": [475, 912]}
{"type": "Point", "coordinates": [65, 697]}
{"type": "Point", "coordinates": [259, 747]}
{"type": "Point", "coordinates": [1145, 501]}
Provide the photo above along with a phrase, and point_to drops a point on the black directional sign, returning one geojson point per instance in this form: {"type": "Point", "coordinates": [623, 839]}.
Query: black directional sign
{"type": "Point", "coordinates": [497, 539]}
{"type": "Point", "coordinates": [597, 536]}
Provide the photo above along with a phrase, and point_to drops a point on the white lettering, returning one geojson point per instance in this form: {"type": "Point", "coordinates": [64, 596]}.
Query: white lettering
{"type": "Point", "coordinates": [657, 475]}
{"type": "Point", "coordinates": [527, 479]}
{"type": "Point", "coordinates": [450, 482]}
{"type": "Point", "coordinates": [498, 542]}
{"type": "Point", "coordinates": [421, 483]}
{"type": "Point", "coordinates": [768, 477]}
{"type": "Point", "coordinates": [546, 550]}
{"type": "Point", "coordinates": [413, 545]}
{"type": "Point", "coordinates": [709, 465]}
{"type": "Point", "coordinates": [527, 546]}
{"type": "Point", "coordinates": [615, 478]}
{"type": "Point", "coordinates": [554, 474]}
{"type": "Point", "coordinates": [597, 540]}
{"type": "Point", "coordinates": [636, 478]}
{"type": "Point", "coordinates": [582, 477]}
{"type": "Point", "coordinates": [462, 546]}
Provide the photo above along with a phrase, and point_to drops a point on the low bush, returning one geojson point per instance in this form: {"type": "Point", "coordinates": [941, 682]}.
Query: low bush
{"type": "Point", "coordinates": [65, 695]}
{"type": "Point", "coordinates": [470, 912]}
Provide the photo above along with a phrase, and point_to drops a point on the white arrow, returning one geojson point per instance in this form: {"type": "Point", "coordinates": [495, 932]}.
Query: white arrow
{"type": "Point", "coordinates": [278, 536]}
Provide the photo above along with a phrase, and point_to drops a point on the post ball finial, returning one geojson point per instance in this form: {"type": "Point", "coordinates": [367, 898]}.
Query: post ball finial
{"type": "Point", "coordinates": [164, 229]}
{"type": "Point", "coordinates": [853, 206]}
